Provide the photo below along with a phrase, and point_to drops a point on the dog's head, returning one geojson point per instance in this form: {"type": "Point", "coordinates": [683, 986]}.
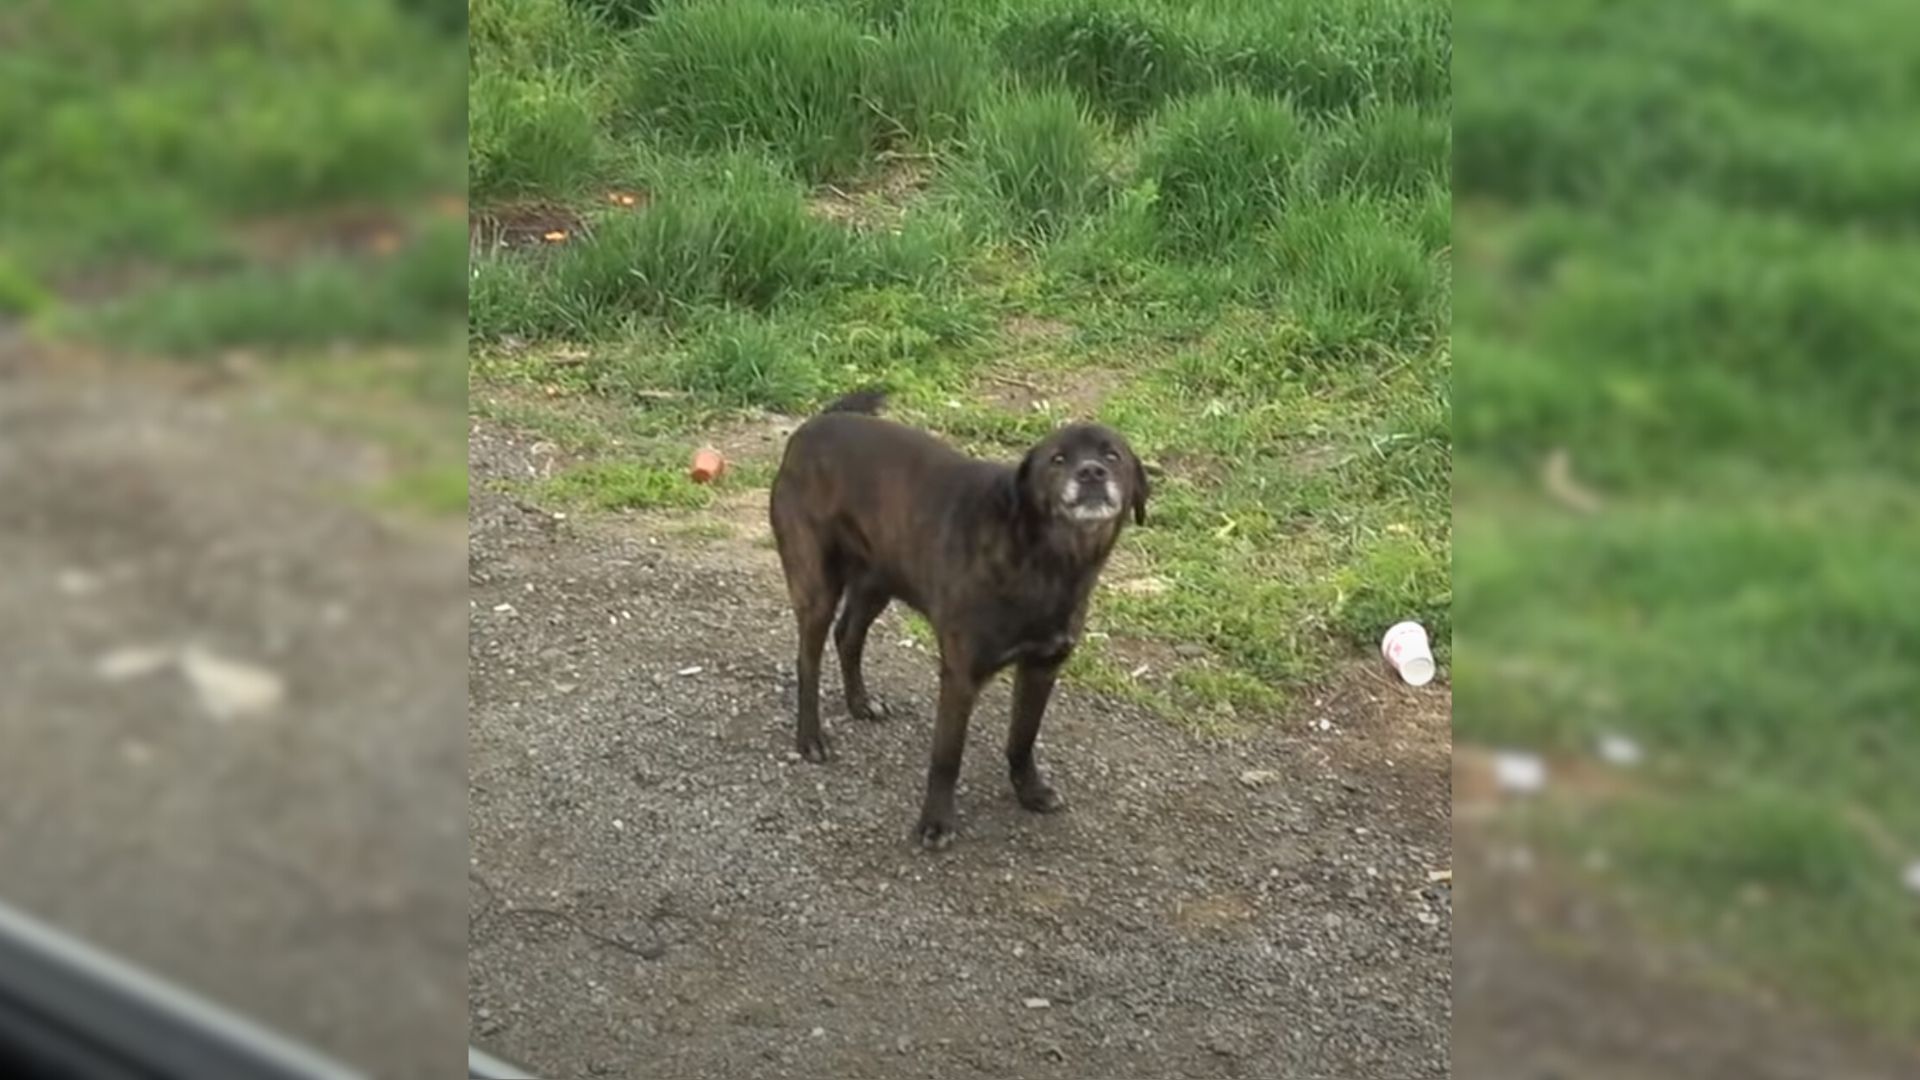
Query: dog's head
{"type": "Point", "coordinates": [1085, 474]}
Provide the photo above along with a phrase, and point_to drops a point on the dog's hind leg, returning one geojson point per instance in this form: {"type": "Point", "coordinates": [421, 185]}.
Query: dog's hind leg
{"type": "Point", "coordinates": [814, 582]}
{"type": "Point", "coordinates": [866, 599]}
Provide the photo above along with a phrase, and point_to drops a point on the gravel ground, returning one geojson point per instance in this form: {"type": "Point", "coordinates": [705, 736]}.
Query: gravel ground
{"type": "Point", "coordinates": [230, 706]}
{"type": "Point", "coordinates": [658, 890]}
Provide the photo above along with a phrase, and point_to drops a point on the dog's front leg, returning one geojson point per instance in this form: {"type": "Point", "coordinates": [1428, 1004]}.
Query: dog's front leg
{"type": "Point", "coordinates": [1032, 688]}
{"type": "Point", "coordinates": [958, 689]}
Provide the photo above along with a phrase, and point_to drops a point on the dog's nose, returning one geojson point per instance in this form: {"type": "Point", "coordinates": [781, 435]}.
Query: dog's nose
{"type": "Point", "coordinates": [1091, 472]}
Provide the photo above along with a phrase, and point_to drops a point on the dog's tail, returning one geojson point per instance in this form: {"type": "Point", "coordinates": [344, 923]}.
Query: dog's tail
{"type": "Point", "coordinates": [869, 401]}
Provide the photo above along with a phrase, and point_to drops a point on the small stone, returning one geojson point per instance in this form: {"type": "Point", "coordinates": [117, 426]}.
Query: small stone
{"type": "Point", "coordinates": [1619, 750]}
{"type": "Point", "coordinates": [1037, 1003]}
{"type": "Point", "coordinates": [132, 662]}
{"type": "Point", "coordinates": [1519, 772]}
{"type": "Point", "coordinates": [694, 670]}
{"type": "Point", "coordinates": [818, 1033]}
{"type": "Point", "coordinates": [231, 688]}
{"type": "Point", "coordinates": [1254, 778]}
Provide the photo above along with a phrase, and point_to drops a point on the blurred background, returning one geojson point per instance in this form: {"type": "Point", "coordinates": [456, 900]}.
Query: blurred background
{"type": "Point", "coordinates": [1684, 797]}
{"type": "Point", "coordinates": [232, 297]}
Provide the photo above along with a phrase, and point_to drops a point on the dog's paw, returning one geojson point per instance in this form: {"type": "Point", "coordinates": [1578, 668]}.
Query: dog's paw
{"type": "Point", "coordinates": [815, 749]}
{"type": "Point", "coordinates": [1039, 797]}
{"type": "Point", "coordinates": [935, 834]}
{"type": "Point", "coordinates": [869, 709]}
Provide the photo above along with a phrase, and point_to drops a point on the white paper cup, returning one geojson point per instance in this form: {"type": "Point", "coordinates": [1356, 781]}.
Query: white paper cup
{"type": "Point", "coordinates": [1406, 648]}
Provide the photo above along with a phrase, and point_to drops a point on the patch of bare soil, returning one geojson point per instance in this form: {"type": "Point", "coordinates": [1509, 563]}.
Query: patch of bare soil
{"type": "Point", "coordinates": [1074, 394]}
{"type": "Point", "coordinates": [523, 225]}
{"type": "Point", "coordinates": [876, 202]}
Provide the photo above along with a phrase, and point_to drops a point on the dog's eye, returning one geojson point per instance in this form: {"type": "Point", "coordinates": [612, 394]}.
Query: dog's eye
{"type": "Point", "coordinates": [1112, 454]}
{"type": "Point", "coordinates": [1059, 459]}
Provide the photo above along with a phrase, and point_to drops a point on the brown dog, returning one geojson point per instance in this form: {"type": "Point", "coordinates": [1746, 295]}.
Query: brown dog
{"type": "Point", "coordinates": [1000, 559]}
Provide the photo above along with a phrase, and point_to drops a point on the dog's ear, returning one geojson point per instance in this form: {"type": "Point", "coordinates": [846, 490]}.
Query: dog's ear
{"type": "Point", "coordinates": [1141, 489]}
{"type": "Point", "coordinates": [1023, 500]}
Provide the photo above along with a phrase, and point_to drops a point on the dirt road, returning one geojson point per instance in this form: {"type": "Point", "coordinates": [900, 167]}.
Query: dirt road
{"type": "Point", "coordinates": [658, 890]}
{"type": "Point", "coordinates": [230, 708]}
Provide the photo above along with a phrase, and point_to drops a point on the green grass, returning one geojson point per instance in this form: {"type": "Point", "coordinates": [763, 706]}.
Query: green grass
{"type": "Point", "coordinates": [148, 151]}
{"type": "Point", "coordinates": [1390, 150]}
{"type": "Point", "coordinates": [807, 85]}
{"type": "Point", "coordinates": [439, 489]}
{"type": "Point", "coordinates": [1688, 234]}
{"type": "Point", "coordinates": [531, 136]}
{"type": "Point", "coordinates": [1123, 62]}
{"type": "Point", "coordinates": [625, 485]}
{"type": "Point", "coordinates": [1240, 260]}
{"type": "Point", "coordinates": [138, 135]}
{"type": "Point", "coordinates": [412, 295]}
{"type": "Point", "coordinates": [1035, 164]}
{"type": "Point", "coordinates": [1223, 165]}
{"type": "Point", "coordinates": [253, 180]}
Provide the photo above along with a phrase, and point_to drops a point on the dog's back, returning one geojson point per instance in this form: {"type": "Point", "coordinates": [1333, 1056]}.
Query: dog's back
{"type": "Point", "coordinates": [848, 453]}
{"type": "Point", "coordinates": [861, 491]}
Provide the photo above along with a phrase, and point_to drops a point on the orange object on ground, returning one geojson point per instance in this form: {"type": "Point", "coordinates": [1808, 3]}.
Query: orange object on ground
{"type": "Point", "coordinates": [707, 465]}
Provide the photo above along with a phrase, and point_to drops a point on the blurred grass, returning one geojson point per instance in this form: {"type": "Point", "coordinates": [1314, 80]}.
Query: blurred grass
{"type": "Point", "coordinates": [204, 178]}
{"type": "Point", "coordinates": [1011, 214]}
{"type": "Point", "coordinates": [1688, 238]}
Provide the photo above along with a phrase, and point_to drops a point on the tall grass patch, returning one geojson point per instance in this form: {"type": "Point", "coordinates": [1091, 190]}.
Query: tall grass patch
{"type": "Point", "coordinates": [1036, 163]}
{"type": "Point", "coordinates": [925, 79]}
{"type": "Point", "coordinates": [1391, 150]}
{"type": "Point", "coordinates": [1331, 56]}
{"type": "Point", "coordinates": [410, 297]}
{"type": "Point", "coordinates": [746, 239]}
{"type": "Point", "coordinates": [619, 14]}
{"type": "Point", "coordinates": [1222, 164]}
{"type": "Point", "coordinates": [811, 85]}
{"type": "Point", "coordinates": [529, 37]}
{"type": "Point", "coordinates": [1744, 336]}
{"type": "Point", "coordinates": [1354, 277]}
{"type": "Point", "coordinates": [537, 135]}
{"type": "Point", "coordinates": [715, 75]}
{"type": "Point", "coordinates": [1765, 105]}
{"type": "Point", "coordinates": [1123, 60]}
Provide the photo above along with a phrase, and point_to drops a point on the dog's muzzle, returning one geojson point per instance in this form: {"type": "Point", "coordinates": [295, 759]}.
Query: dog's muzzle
{"type": "Point", "coordinates": [1091, 499]}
